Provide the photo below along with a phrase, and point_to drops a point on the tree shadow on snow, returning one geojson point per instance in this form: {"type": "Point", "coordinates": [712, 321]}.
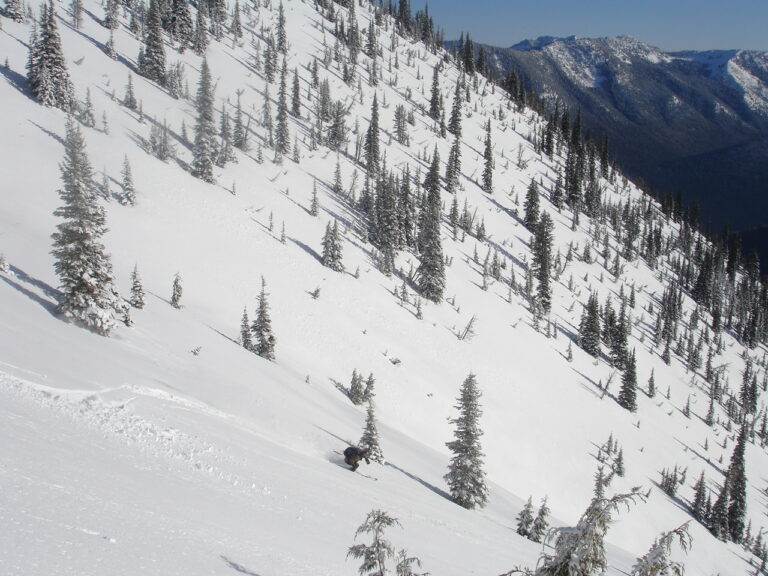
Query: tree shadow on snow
{"type": "Point", "coordinates": [238, 567]}
{"type": "Point", "coordinates": [16, 80]}
{"type": "Point", "coordinates": [307, 249]}
{"type": "Point", "coordinates": [47, 132]}
{"type": "Point", "coordinates": [23, 277]}
{"type": "Point", "coordinates": [424, 483]}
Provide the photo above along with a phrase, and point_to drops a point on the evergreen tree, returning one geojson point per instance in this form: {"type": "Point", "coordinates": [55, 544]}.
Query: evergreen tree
{"type": "Point", "coordinates": [589, 327]}
{"type": "Point", "coordinates": [152, 57]}
{"type": "Point", "coordinates": [656, 561]}
{"type": "Point", "coordinates": [314, 208]}
{"type": "Point", "coordinates": [453, 167]}
{"type": "Point", "coordinates": [240, 130]}
{"type": "Point", "coordinates": [454, 124]}
{"type": "Point", "coordinates": [87, 117]}
{"type": "Point", "coordinates": [47, 71]}
{"type": "Point", "coordinates": [282, 137]}
{"type": "Point", "coordinates": [628, 393]}
{"type": "Point", "coordinates": [698, 507]}
{"type": "Point", "coordinates": [531, 206]}
{"type": "Point", "coordinates": [129, 193]}
{"type": "Point", "coordinates": [88, 296]}
{"type": "Point", "coordinates": [580, 550]}
{"type": "Point", "coordinates": [14, 10]}
{"type": "Point", "coordinates": [111, 14]}
{"type": "Point", "coordinates": [356, 390]}
{"type": "Point", "coordinates": [376, 554]}
{"type": "Point", "coordinates": [332, 256]}
{"type": "Point", "coordinates": [466, 477]}
{"type": "Point", "coordinates": [718, 519]}
{"type": "Point", "coordinates": [651, 385]}
{"type": "Point", "coordinates": [200, 37]}
{"type": "Point", "coordinates": [176, 292]}
{"type": "Point", "coordinates": [540, 523]}
{"type": "Point", "coordinates": [129, 101]}
{"type": "Point", "coordinates": [525, 519]}
{"type": "Point", "coordinates": [372, 141]}
{"type": "Point", "coordinates": [431, 271]}
{"type": "Point", "coordinates": [245, 332]}
{"type": "Point", "coordinates": [370, 437]}
{"type": "Point", "coordinates": [264, 344]}
{"type": "Point", "coordinates": [182, 28]}
{"type": "Point", "coordinates": [737, 484]}
{"type": "Point", "coordinates": [137, 290]}
{"type": "Point", "coordinates": [282, 38]}
{"type": "Point", "coordinates": [296, 95]}
{"type": "Point", "coordinates": [434, 100]}
{"type": "Point", "coordinates": [369, 391]}
{"type": "Point", "coordinates": [542, 261]}
{"type": "Point", "coordinates": [235, 27]}
{"type": "Point", "coordinates": [266, 116]}
{"type": "Point", "coordinates": [488, 156]}
{"type": "Point", "coordinates": [204, 151]}
{"type": "Point", "coordinates": [76, 7]}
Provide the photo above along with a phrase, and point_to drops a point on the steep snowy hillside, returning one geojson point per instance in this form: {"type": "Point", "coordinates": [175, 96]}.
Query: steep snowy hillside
{"type": "Point", "coordinates": [168, 448]}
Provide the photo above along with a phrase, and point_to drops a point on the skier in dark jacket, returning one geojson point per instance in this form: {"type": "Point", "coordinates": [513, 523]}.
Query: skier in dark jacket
{"type": "Point", "coordinates": [353, 455]}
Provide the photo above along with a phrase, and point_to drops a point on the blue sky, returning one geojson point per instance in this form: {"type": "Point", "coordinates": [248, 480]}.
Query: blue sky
{"type": "Point", "coordinates": [670, 25]}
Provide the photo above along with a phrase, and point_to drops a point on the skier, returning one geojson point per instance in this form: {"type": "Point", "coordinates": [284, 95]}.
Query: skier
{"type": "Point", "coordinates": [353, 455]}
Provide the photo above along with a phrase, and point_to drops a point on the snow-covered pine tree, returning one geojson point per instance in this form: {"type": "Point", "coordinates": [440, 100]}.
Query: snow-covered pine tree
{"type": "Point", "coordinates": [431, 271]}
{"type": "Point", "coordinates": [370, 437]}
{"type": "Point", "coordinates": [76, 8]}
{"type": "Point", "coordinates": [240, 129]}
{"type": "Point", "coordinates": [296, 95]}
{"type": "Point", "coordinates": [525, 519]}
{"type": "Point", "coordinates": [282, 37]}
{"type": "Point", "coordinates": [200, 37]}
{"type": "Point", "coordinates": [434, 100]}
{"type": "Point", "coordinates": [580, 550]}
{"type": "Point", "coordinates": [182, 28]}
{"type": "Point", "coordinates": [264, 344]}
{"type": "Point", "coordinates": [698, 506]}
{"type": "Point", "coordinates": [375, 554]}
{"type": "Point", "coordinates": [453, 167]}
{"type": "Point", "coordinates": [656, 561]}
{"type": "Point", "coordinates": [488, 157]}
{"type": "Point", "coordinates": [87, 117]}
{"type": "Point", "coordinates": [112, 14]}
{"type": "Point", "coordinates": [454, 124]}
{"type": "Point", "coordinates": [737, 484]}
{"type": "Point", "coordinates": [332, 256]}
{"type": "Point", "coordinates": [84, 268]}
{"type": "Point", "coordinates": [137, 289]}
{"type": "Point", "coordinates": [236, 27]}
{"type": "Point", "coordinates": [14, 10]}
{"type": "Point", "coordinates": [466, 477]}
{"type": "Point", "coordinates": [204, 151]}
{"type": "Point", "coordinates": [176, 291]}
{"type": "Point", "coordinates": [540, 523]}
{"type": "Point", "coordinates": [628, 392]}
{"type": "Point", "coordinates": [542, 261]}
{"type": "Point", "coordinates": [152, 57]}
{"type": "Point", "coordinates": [531, 206]}
{"type": "Point", "coordinates": [129, 100]}
{"type": "Point", "coordinates": [314, 208]}
{"type": "Point", "coordinates": [245, 332]}
{"type": "Point", "coordinates": [372, 148]}
{"type": "Point", "coordinates": [282, 137]}
{"type": "Point", "coordinates": [129, 192]}
{"type": "Point", "coordinates": [356, 390]}
{"type": "Point", "coordinates": [47, 70]}
{"type": "Point", "coordinates": [718, 519]}
{"type": "Point", "coordinates": [589, 327]}
{"type": "Point", "coordinates": [369, 392]}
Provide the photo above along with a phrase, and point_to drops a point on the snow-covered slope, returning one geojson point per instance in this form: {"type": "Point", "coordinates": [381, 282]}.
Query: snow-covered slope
{"type": "Point", "coordinates": [169, 449]}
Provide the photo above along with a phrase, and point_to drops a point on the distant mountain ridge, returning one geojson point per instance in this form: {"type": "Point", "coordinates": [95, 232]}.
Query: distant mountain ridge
{"type": "Point", "coordinates": [690, 121]}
